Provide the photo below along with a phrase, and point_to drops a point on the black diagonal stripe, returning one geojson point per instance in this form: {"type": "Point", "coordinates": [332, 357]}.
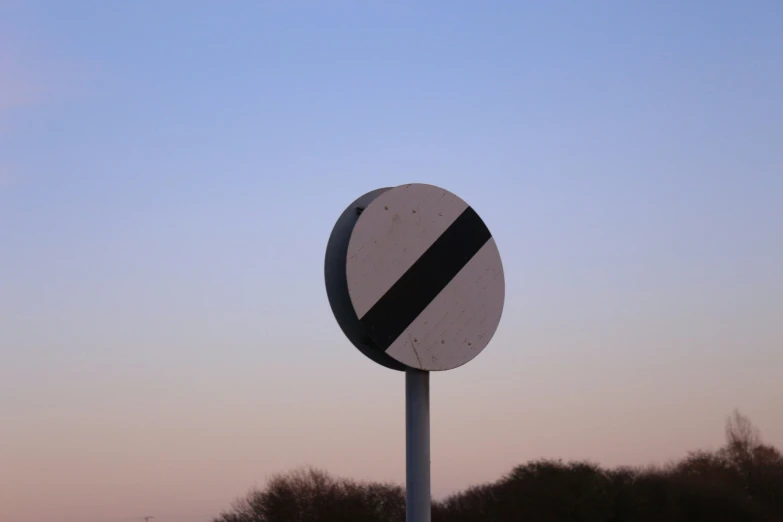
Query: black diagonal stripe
{"type": "Point", "coordinates": [423, 281]}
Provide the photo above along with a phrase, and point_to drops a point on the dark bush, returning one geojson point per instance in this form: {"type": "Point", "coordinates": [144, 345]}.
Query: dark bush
{"type": "Point", "coordinates": [313, 496]}
{"type": "Point", "coordinates": [742, 482]}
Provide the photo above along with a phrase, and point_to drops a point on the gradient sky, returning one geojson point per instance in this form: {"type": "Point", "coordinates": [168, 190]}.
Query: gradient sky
{"type": "Point", "coordinates": [170, 172]}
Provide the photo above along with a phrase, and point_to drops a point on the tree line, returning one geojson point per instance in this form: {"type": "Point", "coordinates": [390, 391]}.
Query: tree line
{"type": "Point", "coordinates": [740, 482]}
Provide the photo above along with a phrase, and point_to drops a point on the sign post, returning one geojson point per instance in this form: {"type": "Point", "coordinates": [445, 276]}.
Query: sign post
{"type": "Point", "coordinates": [417, 446]}
{"type": "Point", "coordinates": [415, 281]}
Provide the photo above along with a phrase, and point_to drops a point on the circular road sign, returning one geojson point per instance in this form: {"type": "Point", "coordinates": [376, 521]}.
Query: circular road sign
{"type": "Point", "coordinates": [414, 278]}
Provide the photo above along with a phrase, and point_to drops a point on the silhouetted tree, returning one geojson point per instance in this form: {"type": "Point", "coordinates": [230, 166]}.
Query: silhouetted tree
{"type": "Point", "coordinates": [758, 467]}
{"type": "Point", "coordinates": [741, 482]}
{"type": "Point", "coordinates": [313, 496]}
{"type": "Point", "coordinates": [476, 504]}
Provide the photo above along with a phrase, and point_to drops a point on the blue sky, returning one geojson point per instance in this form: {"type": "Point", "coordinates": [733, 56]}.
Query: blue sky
{"type": "Point", "coordinates": [170, 172]}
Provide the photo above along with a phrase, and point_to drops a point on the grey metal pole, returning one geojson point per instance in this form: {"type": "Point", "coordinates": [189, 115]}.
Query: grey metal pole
{"type": "Point", "coordinates": [417, 446]}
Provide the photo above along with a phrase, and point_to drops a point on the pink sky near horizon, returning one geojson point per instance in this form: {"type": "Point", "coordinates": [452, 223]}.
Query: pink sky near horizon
{"type": "Point", "coordinates": [193, 436]}
{"type": "Point", "coordinates": [165, 338]}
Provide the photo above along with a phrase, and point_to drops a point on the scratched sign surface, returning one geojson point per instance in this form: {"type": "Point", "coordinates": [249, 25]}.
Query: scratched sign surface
{"type": "Point", "coordinates": [423, 278]}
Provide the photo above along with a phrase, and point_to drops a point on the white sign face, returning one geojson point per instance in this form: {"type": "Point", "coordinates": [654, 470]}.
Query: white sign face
{"type": "Point", "coordinates": [424, 277]}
